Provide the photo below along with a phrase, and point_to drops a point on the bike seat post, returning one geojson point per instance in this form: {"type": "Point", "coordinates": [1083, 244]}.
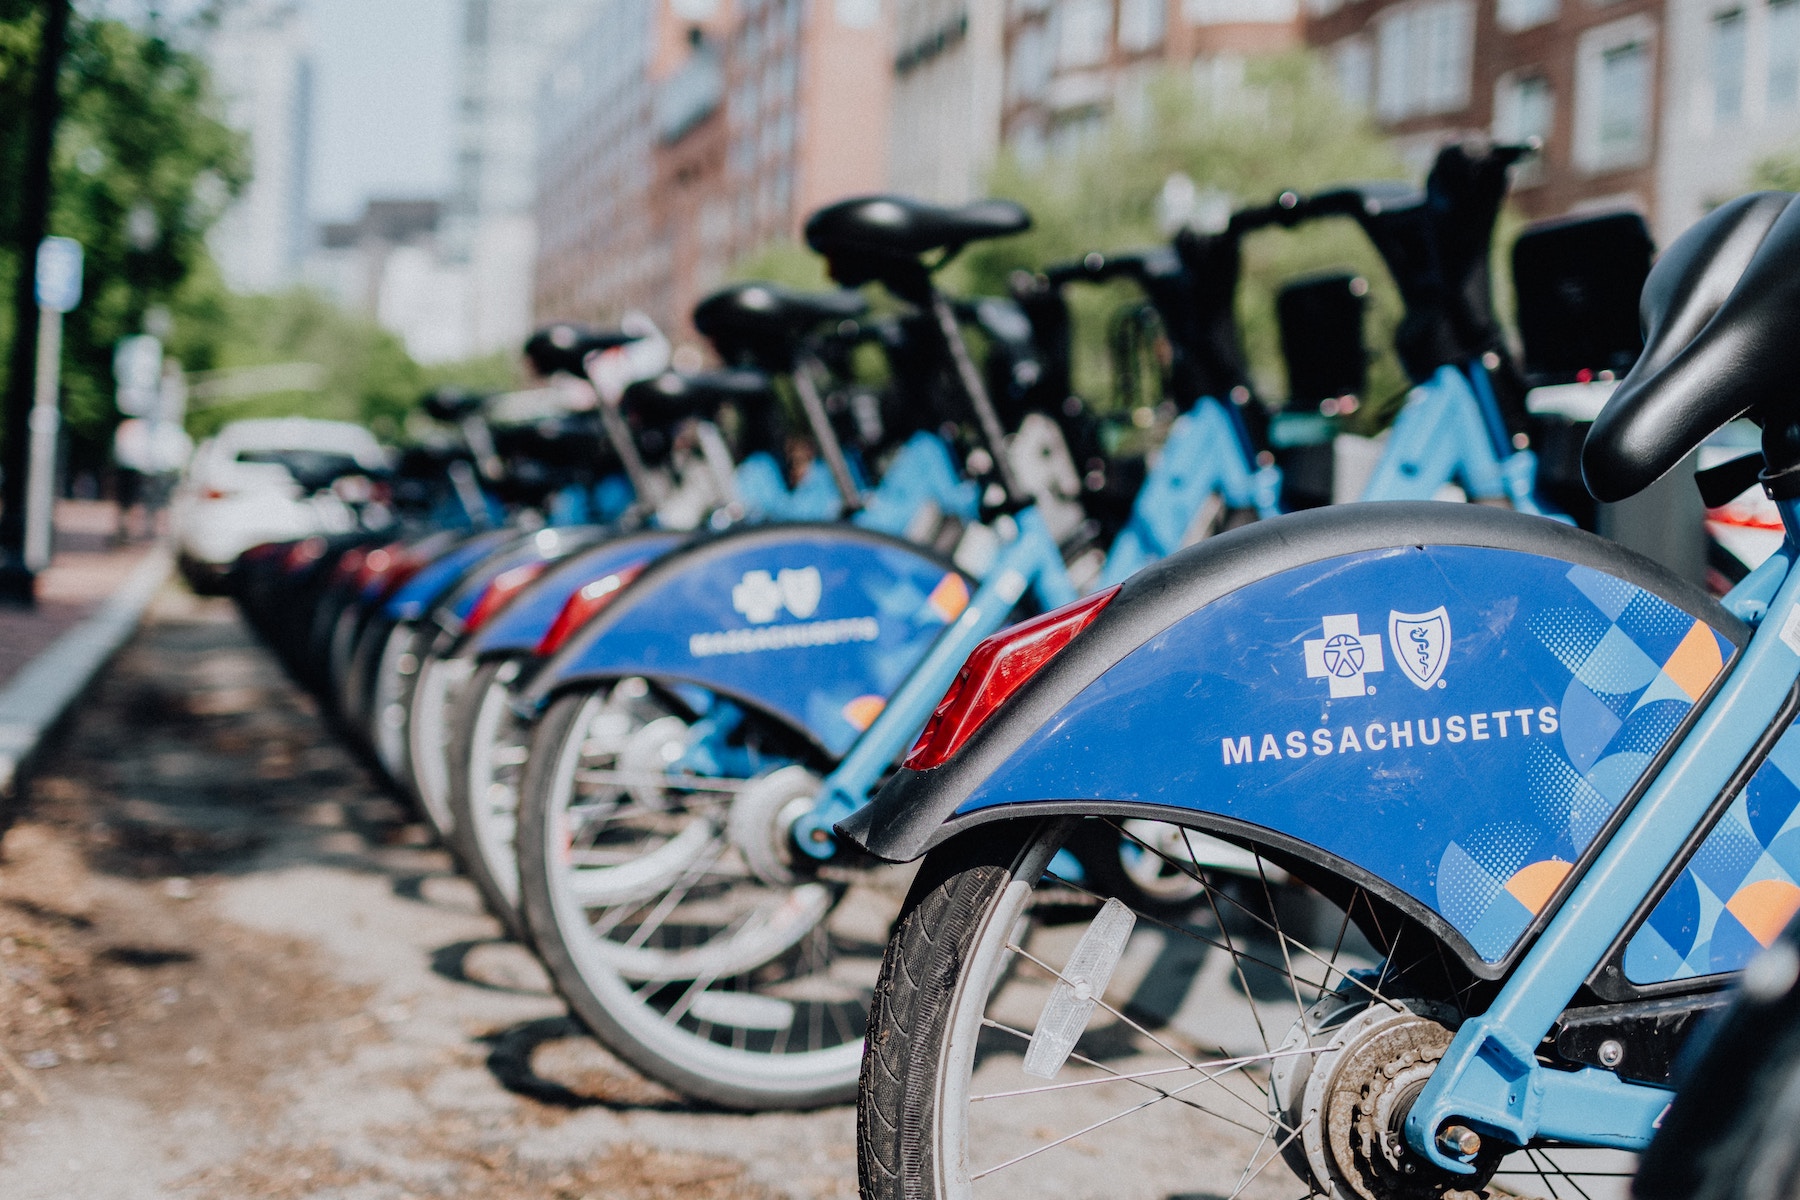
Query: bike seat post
{"type": "Point", "coordinates": [807, 369]}
{"type": "Point", "coordinates": [480, 439]}
{"type": "Point", "coordinates": [976, 390]}
{"type": "Point", "coordinates": [720, 466]}
{"type": "Point", "coordinates": [618, 432]}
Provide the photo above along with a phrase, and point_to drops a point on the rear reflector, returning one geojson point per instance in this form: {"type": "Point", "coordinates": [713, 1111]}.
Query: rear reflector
{"type": "Point", "coordinates": [584, 606]}
{"type": "Point", "coordinates": [995, 670]}
{"type": "Point", "coordinates": [500, 589]}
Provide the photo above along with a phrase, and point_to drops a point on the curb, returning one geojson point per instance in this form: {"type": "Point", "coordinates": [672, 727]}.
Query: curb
{"type": "Point", "coordinates": [38, 696]}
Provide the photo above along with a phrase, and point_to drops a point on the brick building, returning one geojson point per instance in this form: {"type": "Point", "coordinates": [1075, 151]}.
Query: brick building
{"type": "Point", "coordinates": [680, 135]}
{"type": "Point", "coordinates": [1581, 76]}
{"type": "Point", "coordinates": [1070, 64]}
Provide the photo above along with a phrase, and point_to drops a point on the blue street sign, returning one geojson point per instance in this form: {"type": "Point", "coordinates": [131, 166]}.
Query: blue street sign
{"type": "Point", "coordinates": [58, 274]}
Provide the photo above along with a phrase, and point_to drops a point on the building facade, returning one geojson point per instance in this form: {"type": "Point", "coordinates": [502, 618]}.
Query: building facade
{"type": "Point", "coordinates": [1731, 98]}
{"type": "Point", "coordinates": [680, 135]}
{"type": "Point", "coordinates": [389, 265]}
{"type": "Point", "coordinates": [489, 226]}
{"type": "Point", "coordinates": [949, 61]}
{"type": "Point", "coordinates": [260, 64]}
{"type": "Point", "coordinates": [1584, 78]}
{"type": "Point", "coordinates": [1071, 65]}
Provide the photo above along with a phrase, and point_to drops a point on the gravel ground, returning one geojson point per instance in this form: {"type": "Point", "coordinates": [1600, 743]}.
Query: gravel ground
{"type": "Point", "coordinates": [230, 967]}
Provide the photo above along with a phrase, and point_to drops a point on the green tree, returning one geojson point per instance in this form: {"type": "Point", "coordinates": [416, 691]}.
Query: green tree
{"type": "Point", "coordinates": [1777, 172]}
{"type": "Point", "coordinates": [365, 374]}
{"type": "Point", "coordinates": [1282, 127]}
{"type": "Point", "coordinates": [143, 167]}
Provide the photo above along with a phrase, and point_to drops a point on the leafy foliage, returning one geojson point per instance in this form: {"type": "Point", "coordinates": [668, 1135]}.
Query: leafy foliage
{"type": "Point", "coordinates": [143, 167]}
{"type": "Point", "coordinates": [1282, 126]}
{"type": "Point", "coordinates": [1777, 172]}
{"type": "Point", "coordinates": [367, 375]}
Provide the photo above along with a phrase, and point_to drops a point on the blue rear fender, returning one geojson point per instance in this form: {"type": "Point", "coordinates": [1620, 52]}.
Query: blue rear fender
{"type": "Point", "coordinates": [813, 625]}
{"type": "Point", "coordinates": [1450, 705]}
{"type": "Point", "coordinates": [414, 598]}
{"type": "Point", "coordinates": [521, 625]}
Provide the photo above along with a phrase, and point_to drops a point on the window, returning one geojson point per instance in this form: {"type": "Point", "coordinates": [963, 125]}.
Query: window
{"type": "Point", "coordinates": [1625, 91]}
{"type": "Point", "coordinates": [1083, 29]}
{"type": "Point", "coordinates": [1141, 24]}
{"type": "Point", "coordinates": [1612, 95]}
{"type": "Point", "coordinates": [1028, 75]}
{"type": "Point", "coordinates": [1512, 15]}
{"type": "Point", "coordinates": [1424, 59]}
{"type": "Point", "coordinates": [1522, 108]}
{"type": "Point", "coordinates": [1353, 62]}
{"type": "Point", "coordinates": [1784, 55]}
{"type": "Point", "coordinates": [1728, 65]}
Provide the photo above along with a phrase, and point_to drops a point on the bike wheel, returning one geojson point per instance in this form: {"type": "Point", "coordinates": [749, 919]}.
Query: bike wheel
{"type": "Point", "coordinates": [1033, 1035]}
{"type": "Point", "coordinates": [395, 675]}
{"type": "Point", "coordinates": [675, 924]}
{"type": "Point", "coordinates": [438, 687]}
{"type": "Point", "coordinates": [489, 745]}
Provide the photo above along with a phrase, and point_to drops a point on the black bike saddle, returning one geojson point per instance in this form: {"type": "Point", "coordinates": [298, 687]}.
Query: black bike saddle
{"type": "Point", "coordinates": [897, 227]}
{"type": "Point", "coordinates": [452, 404]}
{"type": "Point", "coordinates": [1721, 315]}
{"type": "Point", "coordinates": [674, 396]}
{"type": "Point", "coordinates": [882, 238]}
{"type": "Point", "coordinates": [564, 347]}
{"type": "Point", "coordinates": [763, 322]}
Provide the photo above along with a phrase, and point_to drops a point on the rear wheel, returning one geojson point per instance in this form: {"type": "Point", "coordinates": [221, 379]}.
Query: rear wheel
{"type": "Point", "coordinates": [489, 744]}
{"type": "Point", "coordinates": [1035, 1035]}
{"type": "Point", "coordinates": [676, 920]}
{"type": "Point", "coordinates": [391, 687]}
{"type": "Point", "coordinates": [435, 693]}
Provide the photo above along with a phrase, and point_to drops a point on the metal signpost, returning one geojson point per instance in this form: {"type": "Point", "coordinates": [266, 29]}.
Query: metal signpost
{"type": "Point", "coordinates": [58, 292]}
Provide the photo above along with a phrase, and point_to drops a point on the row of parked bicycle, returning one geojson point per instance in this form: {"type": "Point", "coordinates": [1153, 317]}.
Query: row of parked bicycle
{"type": "Point", "coordinates": [1403, 843]}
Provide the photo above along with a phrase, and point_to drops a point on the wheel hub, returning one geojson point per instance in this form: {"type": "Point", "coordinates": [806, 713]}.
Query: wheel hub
{"type": "Point", "coordinates": [762, 821]}
{"type": "Point", "coordinates": [1350, 1100]}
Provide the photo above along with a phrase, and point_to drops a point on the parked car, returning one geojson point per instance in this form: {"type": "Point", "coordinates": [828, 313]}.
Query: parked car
{"type": "Point", "coordinates": [267, 480]}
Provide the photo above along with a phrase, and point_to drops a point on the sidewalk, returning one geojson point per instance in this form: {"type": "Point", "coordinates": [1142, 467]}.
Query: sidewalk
{"type": "Point", "coordinates": [89, 601]}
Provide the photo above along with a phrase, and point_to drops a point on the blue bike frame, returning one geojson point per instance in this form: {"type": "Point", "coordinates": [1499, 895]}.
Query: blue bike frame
{"type": "Point", "coordinates": [1490, 1078]}
{"type": "Point", "coordinates": [1029, 561]}
{"type": "Point", "coordinates": [1450, 432]}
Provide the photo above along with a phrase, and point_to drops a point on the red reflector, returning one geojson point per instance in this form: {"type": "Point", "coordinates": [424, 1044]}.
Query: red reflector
{"type": "Point", "coordinates": [349, 564]}
{"type": "Point", "coordinates": [584, 606]}
{"type": "Point", "coordinates": [213, 494]}
{"type": "Point", "coordinates": [995, 670]}
{"type": "Point", "coordinates": [304, 553]}
{"type": "Point", "coordinates": [500, 589]}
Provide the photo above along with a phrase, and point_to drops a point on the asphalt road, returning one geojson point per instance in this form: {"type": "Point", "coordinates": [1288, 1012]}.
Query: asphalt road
{"type": "Point", "coordinates": [230, 967]}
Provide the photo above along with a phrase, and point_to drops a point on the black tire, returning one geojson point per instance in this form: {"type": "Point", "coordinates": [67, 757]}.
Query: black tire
{"type": "Point", "coordinates": [931, 941]}
{"type": "Point", "coordinates": [1731, 1132]}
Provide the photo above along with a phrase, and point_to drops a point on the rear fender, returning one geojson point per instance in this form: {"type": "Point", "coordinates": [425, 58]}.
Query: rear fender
{"type": "Point", "coordinates": [414, 598]}
{"type": "Point", "coordinates": [548, 545]}
{"type": "Point", "coordinates": [815, 625]}
{"type": "Point", "coordinates": [1450, 704]}
{"type": "Point", "coordinates": [521, 625]}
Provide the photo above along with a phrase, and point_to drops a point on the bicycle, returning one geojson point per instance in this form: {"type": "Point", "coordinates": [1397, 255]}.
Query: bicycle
{"type": "Point", "coordinates": [1478, 984]}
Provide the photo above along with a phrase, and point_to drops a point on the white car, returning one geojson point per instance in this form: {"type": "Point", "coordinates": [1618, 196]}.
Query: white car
{"type": "Point", "coordinates": [269, 480]}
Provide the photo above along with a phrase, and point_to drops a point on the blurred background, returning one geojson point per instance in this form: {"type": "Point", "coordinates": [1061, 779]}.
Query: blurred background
{"type": "Point", "coordinates": [326, 206]}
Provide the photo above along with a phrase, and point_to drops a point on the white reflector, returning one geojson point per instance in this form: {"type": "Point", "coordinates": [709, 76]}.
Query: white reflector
{"type": "Point", "coordinates": [1083, 982]}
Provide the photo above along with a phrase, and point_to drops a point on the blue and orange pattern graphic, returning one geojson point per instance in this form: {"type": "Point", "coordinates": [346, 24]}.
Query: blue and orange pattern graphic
{"type": "Point", "coordinates": [1739, 889]}
{"type": "Point", "coordinates": [1635, 665]}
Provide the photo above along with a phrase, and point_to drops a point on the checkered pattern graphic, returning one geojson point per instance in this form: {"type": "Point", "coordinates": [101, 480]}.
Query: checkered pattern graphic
{"type": "Point", "coordinates": [1739, 889]}
{"type": "Point", "coordinates": [1635, 664]}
